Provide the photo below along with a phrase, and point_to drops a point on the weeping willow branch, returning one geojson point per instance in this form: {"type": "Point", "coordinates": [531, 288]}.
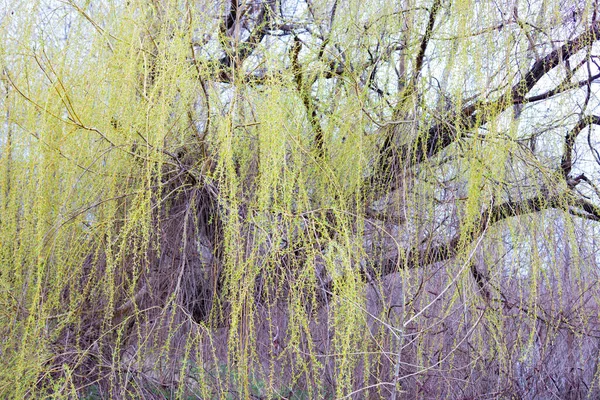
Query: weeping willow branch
{"type": "Point", "coordinates": [166, 219]}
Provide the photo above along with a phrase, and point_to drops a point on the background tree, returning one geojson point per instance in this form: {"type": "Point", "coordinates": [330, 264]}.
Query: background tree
{"type": "Point", "coordinates": [299, 199]}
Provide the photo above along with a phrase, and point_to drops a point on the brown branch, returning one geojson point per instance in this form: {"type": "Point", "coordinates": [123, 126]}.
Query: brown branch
{"type": "Point", "coordinates": [418, 257]}
{"type": "Point", "coordinates": [443, 134]}
{"type": "Point", "coordinates": [423, 48]}
{"type": "Point", "coordinates": [591, 211]}
{"type": "Point", "coordinates": [247, 47]}
{"type": "Point", "coordinates": [387, 155]}
{"type": "Point", "coordinates": [557, 90]}
{"type": "Point", "coordinates": [204, 134]}
{"type": "Point", "coordinates": [304, 91]}
{"type": "Point", "coordinates": [231, 17]}
{"type": "Point", "coordinates": [566, 162]}
{"type": "Point", "coordinates": [482, 282]}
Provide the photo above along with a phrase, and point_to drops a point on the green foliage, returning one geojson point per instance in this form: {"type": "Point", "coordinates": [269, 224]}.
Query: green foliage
{"type": "Point", "coordinates": [296, 199]}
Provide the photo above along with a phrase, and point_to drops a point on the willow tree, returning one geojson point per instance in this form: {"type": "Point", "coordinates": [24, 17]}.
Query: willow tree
{"type": "Point", "coordinates": [299, 199]}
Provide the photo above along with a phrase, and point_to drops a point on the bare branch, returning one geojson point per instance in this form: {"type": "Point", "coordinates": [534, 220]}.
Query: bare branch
{"type": "Point", "coordinates": [423, 48]}
{"type": "Point", "coordinates": [442, 135]}
{"type": "Point", "coordinates": [566, 162]}
{"type": "Point", "coordinates": [304, 90]}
